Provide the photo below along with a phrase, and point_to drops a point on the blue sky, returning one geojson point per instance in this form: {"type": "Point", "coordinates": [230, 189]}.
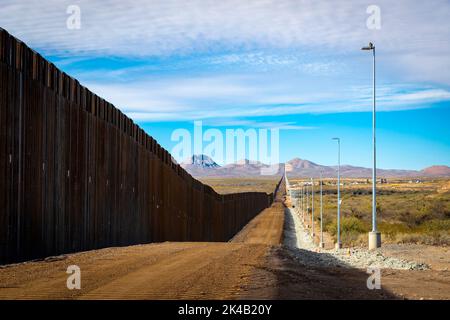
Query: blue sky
{"type": "Point", "coordinates": [292, 65]}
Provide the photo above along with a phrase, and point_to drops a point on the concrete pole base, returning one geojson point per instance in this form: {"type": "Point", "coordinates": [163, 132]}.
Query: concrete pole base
{"type": "Point", "coordinates": [338, 245]}
{"type": "Point", "coordinates": [374, 240]}
{"type": "Point", "coordinates": [322, 245]}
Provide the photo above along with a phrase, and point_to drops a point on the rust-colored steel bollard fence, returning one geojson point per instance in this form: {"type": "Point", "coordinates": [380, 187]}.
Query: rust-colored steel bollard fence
{"type": "Point", "coordinates": [77, 174]}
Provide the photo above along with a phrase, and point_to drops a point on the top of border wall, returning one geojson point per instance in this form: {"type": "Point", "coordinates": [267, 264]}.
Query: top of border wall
{"type": "Point", "coordinates": [16, 54]}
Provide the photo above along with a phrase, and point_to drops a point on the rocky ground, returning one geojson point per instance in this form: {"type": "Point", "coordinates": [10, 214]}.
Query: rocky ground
{"type": "Point", "coordinates": [299, 240]}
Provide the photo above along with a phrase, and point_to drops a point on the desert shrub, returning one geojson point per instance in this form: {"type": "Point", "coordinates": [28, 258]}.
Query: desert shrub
{"type": "Point", "coordinates": [390, 230]}
{"type": "Point", "coordinates": [441, 238]}
{"type": "Point", "coordinates": [356, 213]}
{"type": "Point", "coordinates": [353, 239]}
{"type": "Point", "coordinates": [439, 209]}
{"type": "Point", "coordinates": [349, 225]}
{"type": "Point", "coordinates": [435, 226]}
{"type": "Point", "coordinates": [413, 219]}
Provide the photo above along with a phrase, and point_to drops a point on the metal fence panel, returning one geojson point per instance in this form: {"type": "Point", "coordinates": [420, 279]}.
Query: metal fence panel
{"type": "Point", "coordinates": [77, 174]}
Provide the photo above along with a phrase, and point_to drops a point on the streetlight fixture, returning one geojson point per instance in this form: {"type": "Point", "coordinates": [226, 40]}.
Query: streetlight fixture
{"type": "Point", "coordinates": [312, 208]}
{"type": "Point", "coordinates": [321, 244]}
{"type": "Point", "coordinates": [338, 242]}
{"type": "Point", "coordinates": [374, 235]}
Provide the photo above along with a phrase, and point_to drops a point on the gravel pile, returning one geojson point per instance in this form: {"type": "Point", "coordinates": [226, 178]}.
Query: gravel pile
{"type": "Point", "coordinates": [361, 258]}
{"type": "Point", "coordinates": [307, 253]}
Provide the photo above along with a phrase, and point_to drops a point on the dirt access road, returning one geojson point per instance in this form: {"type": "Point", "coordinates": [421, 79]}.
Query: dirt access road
{"type": "Point", "coordinates": [153, 271]}
{"type": "Point", "coordinates": [253, 265]}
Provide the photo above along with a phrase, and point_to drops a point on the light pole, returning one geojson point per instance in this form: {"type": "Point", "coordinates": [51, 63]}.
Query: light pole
{"type": "Point", "coordinates": [374, 235]}
{"type": "Point", "coordinates": [322, 244]}
{"type": "Point", "coordinates": [303, 203]}
{"type": "Point", "coordinates": [307, 201]}
{"type": "Point", "coordinates": [312, 208]}
{"type": "Point", "coordinates": [338, 242]}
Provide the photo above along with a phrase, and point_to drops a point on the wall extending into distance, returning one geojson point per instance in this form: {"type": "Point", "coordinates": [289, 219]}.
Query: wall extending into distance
{"type": "Point", "coordinates": [77, 174]}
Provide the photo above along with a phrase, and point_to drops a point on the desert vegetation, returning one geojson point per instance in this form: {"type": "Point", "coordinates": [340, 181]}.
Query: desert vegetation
{"type": "Point", "coordinates": [232, 185]}
{"type": "Point", "coordinates": [408, 210]}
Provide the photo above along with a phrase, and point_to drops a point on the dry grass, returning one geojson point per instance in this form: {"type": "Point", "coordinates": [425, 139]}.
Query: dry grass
{"type": "Point", "coordinates": [407, 212]}
{"type": "Point", "coordinates": [233, 185]}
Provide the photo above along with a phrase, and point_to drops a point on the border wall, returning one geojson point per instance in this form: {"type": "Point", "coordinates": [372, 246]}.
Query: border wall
{"type": "Point", "coordinates": [77, 174]}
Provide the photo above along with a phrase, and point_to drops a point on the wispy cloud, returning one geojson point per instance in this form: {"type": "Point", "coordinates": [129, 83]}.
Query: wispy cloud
{"type": "Point", "coordinates": [236, 59]}
{"type": "Point", "coordinates": [224, 97]}
{"type": "Point", "coordinates": [249, 123]}
{"type": "Point", "coordinates": [414, 34]}
{"type": "Point", "coordinates": [259, 64]}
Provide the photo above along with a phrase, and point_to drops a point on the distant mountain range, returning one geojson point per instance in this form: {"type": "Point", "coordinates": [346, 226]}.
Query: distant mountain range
{"type": "Point", "coordinates": [204, 166]}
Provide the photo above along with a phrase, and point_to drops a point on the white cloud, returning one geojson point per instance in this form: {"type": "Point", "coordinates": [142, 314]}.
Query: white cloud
{"type": "Point", "coordinates": [431, 95]}
{"type": "Point", "coordinates": [313, 46]}
{"type": "Point", "coordinates": [225, 97]}
{"type": "Point", "coordinates": [415, 34]}
{"type": "Point", "coordinates": [289, 125]}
